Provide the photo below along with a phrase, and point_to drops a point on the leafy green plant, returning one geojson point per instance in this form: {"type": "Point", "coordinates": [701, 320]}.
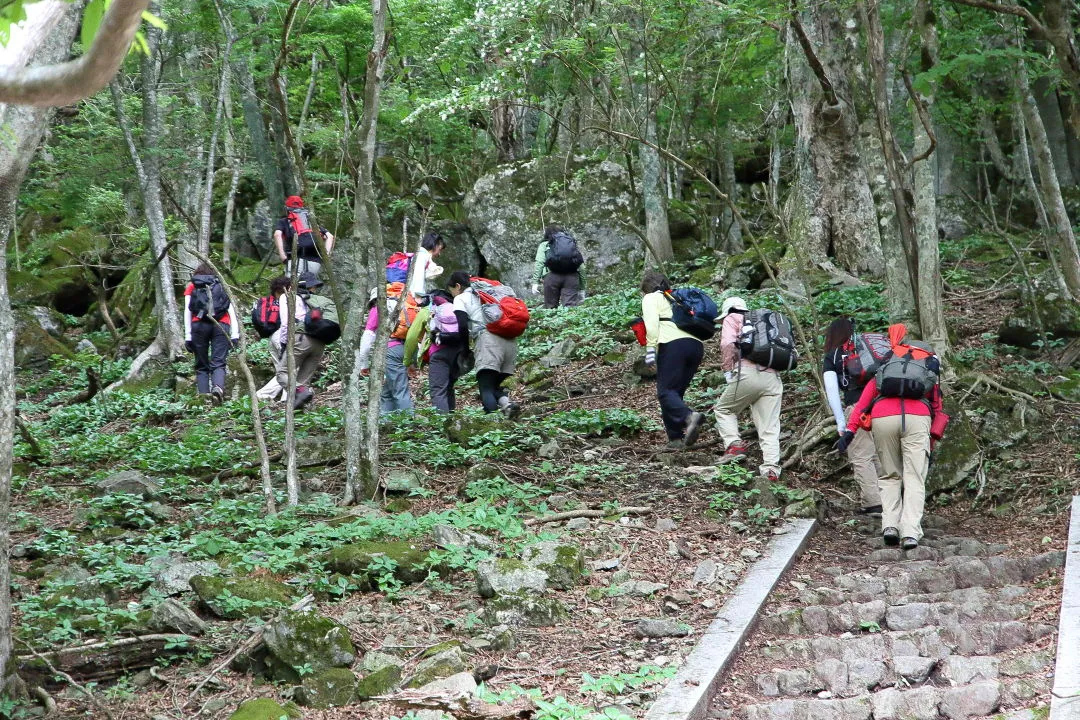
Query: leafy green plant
{"type": "Point", "coordinates": [618, 684]}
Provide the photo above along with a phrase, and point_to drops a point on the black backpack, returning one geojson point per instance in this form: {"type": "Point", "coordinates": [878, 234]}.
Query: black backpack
{"type": "Point", "coordinates": [766, 339]}
{"type": "Point", "coordinates": [563, 256]}
{"type": "Point", "coordinates": [208, 299]}
{"type": "Point", "coordinates": [321, 322]}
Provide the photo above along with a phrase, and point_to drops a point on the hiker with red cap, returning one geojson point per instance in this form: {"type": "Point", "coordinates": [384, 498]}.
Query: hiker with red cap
{"type": "Point", "coordinates": [901, 406]}
{"type": "Point", "coordinates": [294, 232]}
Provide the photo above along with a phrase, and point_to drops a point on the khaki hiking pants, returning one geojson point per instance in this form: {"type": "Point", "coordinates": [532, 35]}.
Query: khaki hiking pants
{"type": "Point", "coordinates": [761, 391]}
{"type": "Point", "coordinates": [864, 463]}
{"type": "Point", "coordinates": [903, 447]}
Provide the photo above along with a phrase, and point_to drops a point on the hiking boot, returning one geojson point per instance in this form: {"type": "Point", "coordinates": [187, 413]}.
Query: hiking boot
{"type": "Point", "coordinates": [217, 395]}
{"type": "Point", "coordinates": [693, 428]}
{"type": "Point", "coordinates": [734, 453]}
{"type": "Point", "coordinates": [676, 444]}
{"type": "Point", "coordinates": [891, 536]}
{"type": "Point", "coordinates": [303, 397]}
{"type": "Point", "coordinates": [511, 410]}
{"type": "Point", "coordinates": [909, 543]}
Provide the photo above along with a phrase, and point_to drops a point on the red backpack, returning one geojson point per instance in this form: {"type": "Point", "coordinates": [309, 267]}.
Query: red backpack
{"type": "Point", "coordinates": [298, 220]}
{"type": "Point", "coordinates": [506, 315]}
{"type": "Point", "coordinates": [266, 316]}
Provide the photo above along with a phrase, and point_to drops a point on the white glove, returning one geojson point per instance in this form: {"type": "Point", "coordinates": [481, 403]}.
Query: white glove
{"type": "Point", "coordinates": [650, 357]}
{"type": "Point", "coordinates": [536, 288]}
{"type": "Point", "coordinates": [729, 376]}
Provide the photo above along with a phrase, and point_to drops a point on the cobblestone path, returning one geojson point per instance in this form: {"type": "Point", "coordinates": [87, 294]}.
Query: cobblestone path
{"type": "Point", "coordinates": [954, 629]}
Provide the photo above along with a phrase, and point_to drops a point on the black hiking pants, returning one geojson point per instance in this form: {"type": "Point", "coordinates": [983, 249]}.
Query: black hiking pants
{"type": "Point", "coordinates": [490, 384]}
{"type": "Point", "coordinates": [562, 289]}
{"type": "Point", "coordinates": [212, 345]}
{"type": "Point", "coordinates": [442, 374]}
{"type": "Point", "coordinates": [676, 363]}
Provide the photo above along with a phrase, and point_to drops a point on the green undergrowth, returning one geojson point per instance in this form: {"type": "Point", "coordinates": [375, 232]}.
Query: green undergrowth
{"type": "Point", "coordinates": [599, 324]}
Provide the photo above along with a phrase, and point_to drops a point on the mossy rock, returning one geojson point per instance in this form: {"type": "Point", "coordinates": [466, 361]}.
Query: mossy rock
{"type": "Point", "coordinates": [563, 563]}
{"type": "Point", "coordinates": [263, 595]}
{"type": "Point", "coordinates": [533, 373]}
{"type": "Point", "coordinates": [307, 640]}
{"type": "Point", "coordinates": [461, 428]}
{"type": "Point", "coordinates": [332, 687]}
{"type": "Point", "coordinates": [482, 471]}
{"type": "Point", "coordinates": [525, 609]}
{"type": "Point", "coordinates": [508, 576]}
{"type": "Point", "coordinates": [356, 559]}
{"type": "Point", "coordinates": [265, 709]}
{"type": "Point", "coordinates": [436, 649]}
{"type": "Point", "coordinates": [955, 457]}
{"type": "Point", "coordinates": [34, 344]}
{"type": "Point", "coordinates": [380, 682]}
{"type": "Point", "coordinates": [443, 664]}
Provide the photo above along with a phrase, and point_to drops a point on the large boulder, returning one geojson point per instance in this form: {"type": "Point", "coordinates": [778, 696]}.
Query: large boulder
{"type": "Point", "coordinates": [357, 558]}
{"type": "Point", "coordinates": [382, 675]}
{"type": "Point", "coordinates": [562, 562]}
{"type": "Point", "coordinates": [173, 575]}
{"type": "Point", "coordinates": [38, 336]}
{"type": "Point", "coordinates": [131, 482]}
{"type": "Point", "coordinates": [265, 709]}
{"type": "Point", "coordinates": [173, 616]}
{"type": "Point", "coordinates": [1059, 317]}
{"type": "Point", "coordinates": [508, 208]}
{"type": "Point", "coordinates": [502, 576]}
{"type": "Point", "coordinates": [440, 665]}
{"type": "Point", "coordinates": [301, 643]}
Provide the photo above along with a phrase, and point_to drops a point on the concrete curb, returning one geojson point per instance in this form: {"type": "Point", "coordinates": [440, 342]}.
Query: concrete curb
{"type": "Point", "coordinates": [687, 695]}
{"type": "Point", "coordinates": [1065, 701]}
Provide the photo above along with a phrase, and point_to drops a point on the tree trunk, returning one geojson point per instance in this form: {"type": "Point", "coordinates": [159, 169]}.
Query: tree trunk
{"type": "Point", "coordinates": [831, 208]}
{"type": "Point", "coordinates": [1046, 99]}
{"type": "Point", "coordinates": [731, 240]}
{"type": "Point", "coordinates": [44, 38]}
{"type": "Point", "coordinates": [930, 290]}
{"type": "Point", "coordinates": [657, 234]}
{"type": "Point", "coordinates": [203, 242]}
{"type": "Point", "coordinates": [362, 439]}
{"type": "Point", "coordinates": [260, 144]}
{"type": "Point", "coordinates": [1068, 257]}
{"type": "Point", "coordinates": [169, 339]}
{"type": "Point", "coordinates": [1062, 36]}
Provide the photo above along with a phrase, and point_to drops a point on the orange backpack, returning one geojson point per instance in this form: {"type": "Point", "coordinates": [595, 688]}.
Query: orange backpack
{"type": "Point", "coordinates": [405, 319]}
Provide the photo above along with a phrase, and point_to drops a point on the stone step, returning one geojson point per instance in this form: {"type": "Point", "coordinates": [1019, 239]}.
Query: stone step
{"type": "Point", "coordinates": [874, 588]}
{"type": "Point", "coordinates": [987, 638]}
{"type": "Point", "coordinates": [876, 615]}
{"type": "Point", "coordinates": [926, 702]}
{"type": "Point", "coordinates": [939, 549]}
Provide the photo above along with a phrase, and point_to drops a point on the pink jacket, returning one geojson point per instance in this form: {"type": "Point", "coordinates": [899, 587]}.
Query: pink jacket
{"type": "Point", "coordinates": [887, 406]}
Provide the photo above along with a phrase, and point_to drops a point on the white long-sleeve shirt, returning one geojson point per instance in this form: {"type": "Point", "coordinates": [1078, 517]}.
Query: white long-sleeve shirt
{"type": "Point", "coordinates": [282, 335]}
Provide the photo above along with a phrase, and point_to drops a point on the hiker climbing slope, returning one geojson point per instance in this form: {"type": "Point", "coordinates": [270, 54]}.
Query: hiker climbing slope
{"type": "Point", "coordinates": [901, 407]}
{"type": "Point", "coordinates": [851, 359]}
{"type": "Point", "coordinates": [293, 236]}
{"type": "Point", "coordinates": [437, 337]}
{"type": "Point", "coordinates": [209, 330]}
{"type": "Point", "coordinates": [558, 268]}
{"type": "Point", "coordinates": [395, 390]}
{"type": "Point", "coordinates": [676, 354]}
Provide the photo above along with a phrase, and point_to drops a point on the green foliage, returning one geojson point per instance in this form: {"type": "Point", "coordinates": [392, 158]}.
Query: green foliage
{"type": "Point", "coordinates": [618, 684]}
{"type": "Point", "coordinates": [865, 303]}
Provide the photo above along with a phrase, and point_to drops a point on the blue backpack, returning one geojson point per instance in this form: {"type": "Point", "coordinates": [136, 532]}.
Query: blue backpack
{"type": "Point", "coordinates": [693, 311]}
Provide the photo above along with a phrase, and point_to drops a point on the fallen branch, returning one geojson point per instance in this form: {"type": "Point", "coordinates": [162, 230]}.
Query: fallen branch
{"type": "Point", "coordinates": [70, 680]}
{"type": "Point", "coordinates": [587, 513]}
{"type": "Point", "coordinates": [252, 642]}
{"type": "Point", "coordinates": [463, 705]}
{"type": "Point", "coordinates": [983, 379]}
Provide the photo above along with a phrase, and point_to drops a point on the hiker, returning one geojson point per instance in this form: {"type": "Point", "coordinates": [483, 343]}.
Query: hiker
{"type": "Point", "coordinates": [294, 232]}
{"type": "Point", "coordinates": [426, 269]}
{"type": "Point", "coordinates": [901, 406]}
{"type": "Point", "coordinates": [395, 389]}
{"type": "Point", "coordinates": [845, 374]}
{"type": "Point", "coordinates": [749, 385]}
{"type": "Point", "coordinates": [495, 355]}
{"type": "Point", "coordinates": [437, 337]}
{"type": "Point", "coordinates": [557, 272]}
{"type": "Point", "coordinates": [308, 350]}
{"type": "Point", "coordinates": [676, 355]}
{"type": "Point", "coordinates": [209, 330]}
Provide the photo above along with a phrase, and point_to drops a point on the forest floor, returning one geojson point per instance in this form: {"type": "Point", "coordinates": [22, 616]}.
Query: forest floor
{"type": "Point", "coordinates": [86, 563]}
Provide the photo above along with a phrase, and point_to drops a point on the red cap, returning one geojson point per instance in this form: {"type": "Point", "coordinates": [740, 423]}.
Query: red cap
{"type": "Point", "coordinates": [294, 201]}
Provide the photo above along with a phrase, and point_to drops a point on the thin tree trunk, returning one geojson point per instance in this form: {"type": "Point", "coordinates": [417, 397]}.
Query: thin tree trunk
{"type": "Point", "coordinates": [930, 290]}
{"type": "Point", "coordinates": [148, 171]}
{"type": "Point", "coordinates": [260, 144]}
{"type": "Point", "coordinates": [307, 99]}
{"type": "Point", "coordinates": [203, 241]}
{"type": "Point", "coordinates": [1068, 256]}
{"type": "Point", "coordinates": [362, 441]}
{"type": "Point", "coordinates": [1023, 162]}
{"type": "Point", "coordinates": [292, 480]}
{"type": "Point", "coordinates": [234, 182]}
{"type": "Point", "coordinates": [44, 38]}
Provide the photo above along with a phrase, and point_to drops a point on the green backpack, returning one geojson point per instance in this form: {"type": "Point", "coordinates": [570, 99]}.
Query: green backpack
{"type": "Point", "coordinates": [321, 322]}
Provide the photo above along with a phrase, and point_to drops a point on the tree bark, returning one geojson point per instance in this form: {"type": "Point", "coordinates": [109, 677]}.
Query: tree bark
{"type": "Point", "coordinates": [57, 84]}
{"type": "Point", "coordinates": [1065, 250]}
{"type": "Point", "coordinates": [830, 210]}
{"type": "Point", "coordinates": [148, 171]}
{"type": "Point", "coordinates": [362, 439]}
{"type": "Point", "coordinates": [203, 242]}
{"type": "Point", "coordinates": [260, 144]}
{"type": "Point", "coordinates": [930, 291]}
{"type": "Point", "coordinates": [44, 37]}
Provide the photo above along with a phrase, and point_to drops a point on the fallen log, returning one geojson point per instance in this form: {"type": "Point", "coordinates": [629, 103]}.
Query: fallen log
{"type": "Point", "coordinates": [463, 706]}
{"type": "Point", "coordinates": [102, 660]}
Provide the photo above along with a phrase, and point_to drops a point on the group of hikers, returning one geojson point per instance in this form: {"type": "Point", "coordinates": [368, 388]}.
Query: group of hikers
{"type": "Point", "coordinates": [882, 388]}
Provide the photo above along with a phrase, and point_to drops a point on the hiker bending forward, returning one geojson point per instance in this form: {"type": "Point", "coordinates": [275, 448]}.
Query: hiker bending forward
{"type": "Point", "coordinates": [676, 355]}
{"type": "Point", "coordinates": [902, 435]}
{"type": "Point", "coordinates": [749, 385]}
{"type": "Point", "coordinates": [307, 351]}
{"type": "Point", "coordinates": [496, 356]}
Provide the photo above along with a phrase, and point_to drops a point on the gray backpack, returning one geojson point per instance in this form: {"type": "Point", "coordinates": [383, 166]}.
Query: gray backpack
{"type": "Point", "coordinates": [910, 372]}
{"type": "Point", "coordinates": [766, 339]}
